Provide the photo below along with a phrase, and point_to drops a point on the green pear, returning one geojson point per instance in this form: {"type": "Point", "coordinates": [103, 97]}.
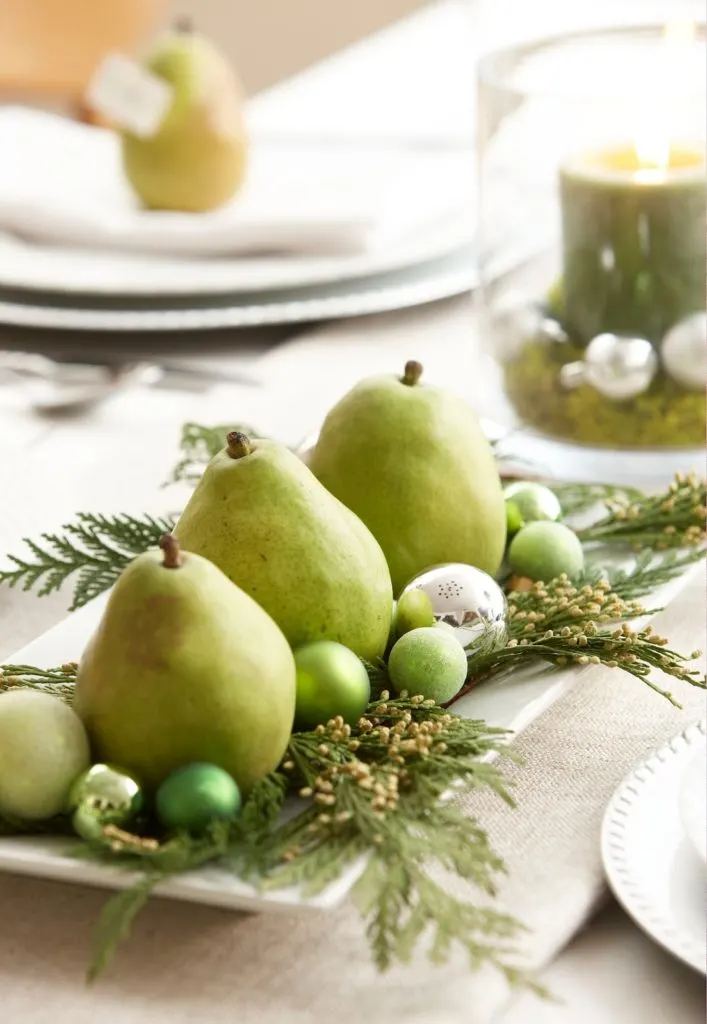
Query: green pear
{"type": "Point", "coordinates": [260, 515]}
{"type": "Point", "coordinates": [412, 462]}
{"type": "Point", "coordinates": [196, 160]}
{"type": "Point", "coordinates": [184, 668]}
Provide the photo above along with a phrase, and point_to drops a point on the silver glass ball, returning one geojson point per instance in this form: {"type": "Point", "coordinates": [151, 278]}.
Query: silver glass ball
{"type": "Point", "coordinates": [468, 600]}
{"type": "Point", "coordinates": [684, 352]}
{"type": "Point", "coordinates": [617, 366]}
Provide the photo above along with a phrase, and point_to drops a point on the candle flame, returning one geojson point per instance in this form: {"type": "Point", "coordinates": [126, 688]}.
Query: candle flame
{"type": "Point", "coordinates": [652, 145]}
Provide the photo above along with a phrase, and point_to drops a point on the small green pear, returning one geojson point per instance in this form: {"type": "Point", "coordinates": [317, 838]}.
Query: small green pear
{"type": "Point", "coordinates": [196, 160]}
{"type": "Point", "coordinates": [412, 462]}
{"type": "Point", "coordinates": [184, 668]}
{"type": "Point", "coordinates": [266, 521]}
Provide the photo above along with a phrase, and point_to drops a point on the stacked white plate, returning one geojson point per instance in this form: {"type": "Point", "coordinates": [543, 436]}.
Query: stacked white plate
{"type": "Point", "coordinates": [320, 231]}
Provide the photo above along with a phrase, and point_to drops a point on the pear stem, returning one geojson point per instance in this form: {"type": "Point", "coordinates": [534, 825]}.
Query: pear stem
{"type": "Point", "coordinates": [172, 551]}
{"type": "Point", "coordinates": [238, 444]}
{"type": "Point", "coordinates": [183, 24]}
{"type": "Point", "coordinates": [413, 372]}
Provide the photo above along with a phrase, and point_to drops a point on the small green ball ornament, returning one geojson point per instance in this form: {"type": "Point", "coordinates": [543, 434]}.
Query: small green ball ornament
{"type": "Point", "coordinates": [104, 795]}
{"type": "Point", "coordinates": [514, 520]}
{"type": "Point", "coordinates": [414, 611]}
{"type": "Point", "coordinates": [331, 681]}
{"type": "Point", "coordinates": [428, 661]}
{"type": "Point", "coordinates": [544, 550]}
{"type": "Point", "coordinates": [43, 748]}
{"type": "Point", "coordinates": [196, 795]}
{"type": "Point", "coordinates": [531, 503]}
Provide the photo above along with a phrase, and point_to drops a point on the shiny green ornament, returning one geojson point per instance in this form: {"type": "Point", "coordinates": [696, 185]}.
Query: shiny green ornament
{"type": "Point", "coordinates": [104, 795]}
{"type": "Point", "coordinates": [331, 681]}
{"type": "Point", "coordinates": [514, 520]}
{"type": "Point", "coordinates": [544, 550]}
{"type": "Point", "coordinates": [531, 502]}
{"type": "Point", "coordinates": [196, 795]}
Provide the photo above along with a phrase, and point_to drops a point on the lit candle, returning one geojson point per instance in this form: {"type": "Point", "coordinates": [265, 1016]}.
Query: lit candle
{"type": "Point", "coordinates": [634, 227]}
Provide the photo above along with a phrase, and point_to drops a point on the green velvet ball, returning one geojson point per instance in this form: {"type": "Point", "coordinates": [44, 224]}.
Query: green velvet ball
{"type": "Point", "coordinates": [544, 550]}
{"type": "Point", "coordinates": [196, 795]}
{"type": "Point", "coordinates": [331, 681]}
{"type": "Point", "coordinates": [428, 661]}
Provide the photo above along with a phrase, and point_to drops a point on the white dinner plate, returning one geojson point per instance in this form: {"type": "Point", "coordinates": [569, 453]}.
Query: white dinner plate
{"type": "Point", "coordinates": [649, 857]}
{"type": "Point", "coordinates": [510, 702]}
{"type": "Point", "coordinates": [35, 267]}
{"type": "Point", "coordinates": [427, 282]}
{"type": "Point", "coordinates": [693, 800]}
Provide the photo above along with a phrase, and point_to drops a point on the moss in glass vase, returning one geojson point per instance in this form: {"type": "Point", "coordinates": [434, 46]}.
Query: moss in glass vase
{"type": "Point", "coordinates": [664, 416]}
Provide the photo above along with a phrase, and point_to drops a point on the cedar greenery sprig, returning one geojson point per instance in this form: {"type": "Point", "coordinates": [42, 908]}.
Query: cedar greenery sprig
{"type": "Point", "coordinates": [376, 799]}
{"type": "Point", "coordinates": [578, 498]}
{"type": "Point", "coordinates": [95, 549]}
{"type": "Point", "coordinates": [566, 624]}
{"type": "Point", "coordinates": [59, 682]}
{"type": "Point", "coordinates": [198, 444]}
{"type": "Point", "coordinates": [672, 519]}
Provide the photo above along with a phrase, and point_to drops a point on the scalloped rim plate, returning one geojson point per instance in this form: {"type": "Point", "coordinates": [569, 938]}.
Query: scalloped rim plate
{"type": "Point", "coordinates": [649, 858]}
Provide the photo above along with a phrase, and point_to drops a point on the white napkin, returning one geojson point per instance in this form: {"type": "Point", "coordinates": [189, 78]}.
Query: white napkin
{"type": "Point", "coordinates": [61, 183]}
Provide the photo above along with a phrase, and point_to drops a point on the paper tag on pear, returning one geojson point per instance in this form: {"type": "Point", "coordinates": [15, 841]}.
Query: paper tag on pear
{"type": "Point", "coordinates": [128, 95]}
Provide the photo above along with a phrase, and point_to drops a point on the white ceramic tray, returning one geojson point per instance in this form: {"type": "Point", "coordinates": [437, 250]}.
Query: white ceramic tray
{"type": "Point", "coordinates": [511, 702]}
{"type": "Point", "coordinates": [650, 857]}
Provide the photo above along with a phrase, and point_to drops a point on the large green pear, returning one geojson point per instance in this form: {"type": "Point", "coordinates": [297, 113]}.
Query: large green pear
{"type": "Point", "coordinates": [196, 160]}
{"type": "Point", "coordinates": [266, 521]}
{"type": "Point", "coordinates": [412, 462]}
{"type": "Point", "coordinates": [185, 667]}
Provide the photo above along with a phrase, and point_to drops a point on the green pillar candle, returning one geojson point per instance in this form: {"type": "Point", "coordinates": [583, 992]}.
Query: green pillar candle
{"type": "Point", "coordinates": [633, 242]}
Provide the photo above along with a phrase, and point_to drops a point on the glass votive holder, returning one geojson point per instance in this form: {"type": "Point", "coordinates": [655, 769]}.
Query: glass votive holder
{"type": "Point", "coordinates": [593, 230]}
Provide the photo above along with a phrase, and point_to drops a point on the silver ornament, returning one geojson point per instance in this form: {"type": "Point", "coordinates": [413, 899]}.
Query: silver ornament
{"type": "Point", "coordinates": [551, 330]}
{"type": "Point", "coordinates": [617, 366]}
{"type": "Point", "coordinates": [468, 600]}
{"type": "Point", "coordinates": [684, 352]}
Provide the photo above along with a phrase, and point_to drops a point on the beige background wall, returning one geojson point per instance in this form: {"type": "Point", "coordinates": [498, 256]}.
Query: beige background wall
{"type": "Point", "coordinates": [270, 39]}
{"type": "Point", "coordinates": [49, 48]}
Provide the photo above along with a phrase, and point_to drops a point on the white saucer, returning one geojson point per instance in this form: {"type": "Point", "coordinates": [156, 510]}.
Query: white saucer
{"type": "Point", "coordinates": [650, 860]}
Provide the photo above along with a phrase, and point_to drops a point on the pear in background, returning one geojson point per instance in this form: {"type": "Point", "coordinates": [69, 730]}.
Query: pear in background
{"type": "Point", "coordinates": [185, 667]}
{"type": "Point", "coordinates": [260, 515]}
{"type": "Point", "coordinates": [196, 160]}
{"type": "Point", "coordinates": [412, 462]}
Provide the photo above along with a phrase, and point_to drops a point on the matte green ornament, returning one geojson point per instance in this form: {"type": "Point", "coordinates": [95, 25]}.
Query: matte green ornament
{"type": "Point", "coordinates": [331, 681]}
{"type": "Point", "coordinates": [429, 662]}
{"type": "Point", "coordinates": [544, 550]}
{"type": "Point", "coordinates": [414, 611]}
{"type": "Point", "coordinates": [196, 795]}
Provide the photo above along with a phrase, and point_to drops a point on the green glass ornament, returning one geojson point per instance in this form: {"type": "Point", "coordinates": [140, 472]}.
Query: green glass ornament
{"type": "Point", "coordinates": [104, 795]}
{"type": "Point", "coordinates": [544, 550]}
{"type": "Point", "coordinates": [533, 502]}
{"type": "Point", "coordinates": [196, 795]}
{"type": "Point", "coordinates": [331, 681]}
{"type": "Point", "coordinates": [514, 520]}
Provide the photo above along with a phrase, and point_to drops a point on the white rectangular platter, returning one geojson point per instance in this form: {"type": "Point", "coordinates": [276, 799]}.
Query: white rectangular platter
{"type": "Point", "coordinates": [511, 702]}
